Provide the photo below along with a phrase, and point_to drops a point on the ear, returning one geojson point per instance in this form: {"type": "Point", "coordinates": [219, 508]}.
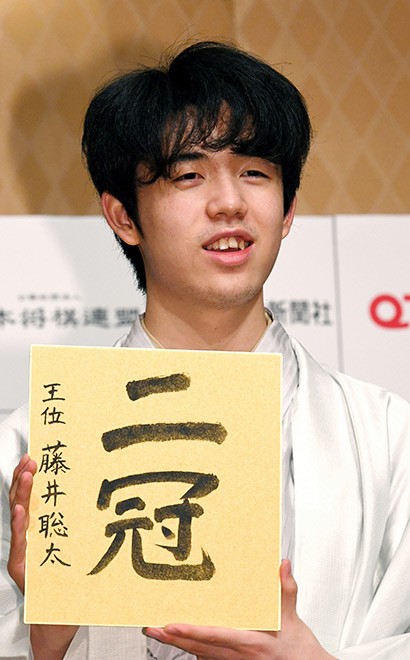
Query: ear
{"type": "Point", "coordinates": [119, 220]}
{"type": "Point", "coordinates": [288, 219]}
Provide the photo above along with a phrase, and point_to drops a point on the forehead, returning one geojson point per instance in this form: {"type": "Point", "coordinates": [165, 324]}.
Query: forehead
{"type": "Point", "coordinates": [194, 129]}
{"type": "Point", "coordinates": [197, 125]}
{"type": "Point", "coordinates": [211, 130]}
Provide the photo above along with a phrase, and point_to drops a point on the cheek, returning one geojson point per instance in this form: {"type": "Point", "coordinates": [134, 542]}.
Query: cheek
{"type": "Point", "coordinates": [169, 219]}
{"type": "Point", "coordinates": [268, 205]}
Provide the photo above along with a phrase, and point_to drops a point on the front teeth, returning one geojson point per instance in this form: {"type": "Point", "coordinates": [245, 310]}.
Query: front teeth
{"type": "Point", "coordinates": [222, 244]}
{"type": "Point", "coordinates": [228, 243]}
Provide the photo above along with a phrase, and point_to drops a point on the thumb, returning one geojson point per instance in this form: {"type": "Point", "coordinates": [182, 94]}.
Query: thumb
{"type": "Point", "coordinates": [289, 589]}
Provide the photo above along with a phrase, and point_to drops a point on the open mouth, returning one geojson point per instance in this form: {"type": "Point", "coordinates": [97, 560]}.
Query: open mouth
{"type": "Point", "coordinates": [228, 244]}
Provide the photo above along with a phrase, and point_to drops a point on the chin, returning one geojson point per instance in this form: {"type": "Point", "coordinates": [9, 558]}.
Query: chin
{"type": "Point", "coordinates": [220, 299]}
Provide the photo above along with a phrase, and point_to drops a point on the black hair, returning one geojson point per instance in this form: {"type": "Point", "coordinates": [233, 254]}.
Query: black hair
{"type": "Point", "coordinates": [151, 116]}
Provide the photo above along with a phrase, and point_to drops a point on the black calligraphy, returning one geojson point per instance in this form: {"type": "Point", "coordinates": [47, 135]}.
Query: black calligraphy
{"type": "Point", "coordinates": [176, 540]}
{"type": "Point", "coordinates": [54, 462]}
{"type": "Point", "coordinates": [53, 459]}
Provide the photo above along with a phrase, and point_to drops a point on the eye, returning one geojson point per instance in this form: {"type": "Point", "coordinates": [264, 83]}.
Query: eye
{"type": "Point", "coordinates": [188, 176]}
{"type": "Point", "coordinates": [187, 179]}
{"type": "Point", "coordinates": [255, 174]}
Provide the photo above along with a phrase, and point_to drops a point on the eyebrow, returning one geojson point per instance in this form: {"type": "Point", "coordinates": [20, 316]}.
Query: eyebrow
{"type": "Point", "coordinates": [188, 155]}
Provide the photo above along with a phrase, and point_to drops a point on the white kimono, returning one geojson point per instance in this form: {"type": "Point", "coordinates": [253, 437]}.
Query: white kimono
{"type": "Point", "coordinates": [351, 497]}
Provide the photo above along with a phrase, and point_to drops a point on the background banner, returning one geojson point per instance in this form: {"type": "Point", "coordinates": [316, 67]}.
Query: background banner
{"type": "Point", "coordinates": [341, 286]}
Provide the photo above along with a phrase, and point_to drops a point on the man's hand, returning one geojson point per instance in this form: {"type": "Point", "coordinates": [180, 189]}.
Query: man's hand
{"type": "Point", "coordinates": [48, 642]}
{"type": "Point", "coordinates": [295, 641]}
{"type": "Point", "coordinates": [19, 499]}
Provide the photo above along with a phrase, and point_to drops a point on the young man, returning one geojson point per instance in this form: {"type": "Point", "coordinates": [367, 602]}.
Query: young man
{"type": "Point", "coordinates": [197, 165]}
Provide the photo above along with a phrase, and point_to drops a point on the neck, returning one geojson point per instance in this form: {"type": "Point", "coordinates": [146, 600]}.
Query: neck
{"type": "Point", "coordinates": [237, 329]}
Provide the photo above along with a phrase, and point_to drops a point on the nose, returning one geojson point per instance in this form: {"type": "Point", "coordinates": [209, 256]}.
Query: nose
{"type": "Point", "coordinates": [226, 199]}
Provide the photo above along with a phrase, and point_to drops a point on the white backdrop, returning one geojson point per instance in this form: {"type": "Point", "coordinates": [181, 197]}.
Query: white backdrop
{"type": "Point", "coordinates": [341, 286]}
